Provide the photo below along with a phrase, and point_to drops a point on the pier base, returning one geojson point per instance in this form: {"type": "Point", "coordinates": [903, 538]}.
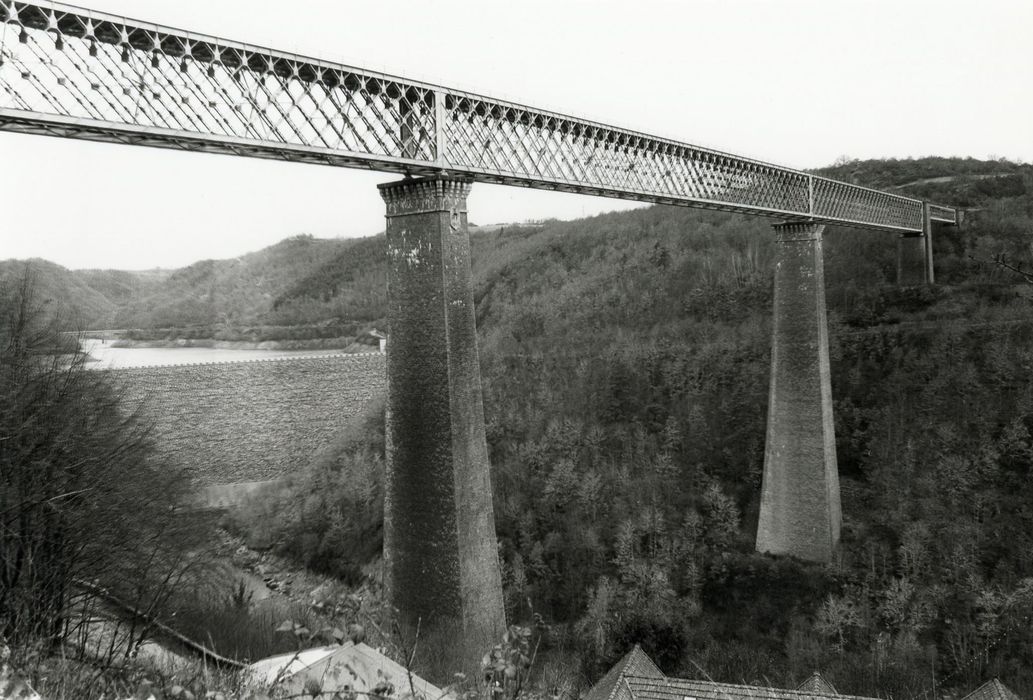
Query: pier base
{"type": "Point", "coordinates": [800, 512]}
{"type": "Point", "coordinates": [440, 550]}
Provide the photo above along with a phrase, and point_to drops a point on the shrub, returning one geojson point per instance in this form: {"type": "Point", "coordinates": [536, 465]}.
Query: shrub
{"type": "Point", "coordinates": [86, 510]}
{"type": "Point", "coordinates": [329, 517]}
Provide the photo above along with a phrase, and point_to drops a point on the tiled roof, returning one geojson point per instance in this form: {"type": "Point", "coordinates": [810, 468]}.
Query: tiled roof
{"type": "Point", "coordinates": [636, 677]}
{"type": "Point", "coordinates": [678, 689]}
{"type": "Point", "coordinates": [816, 683]}
{"type": "Point", "coordinates": [992, 690]}
{"type": "Point", "coordinates": [635, 663]}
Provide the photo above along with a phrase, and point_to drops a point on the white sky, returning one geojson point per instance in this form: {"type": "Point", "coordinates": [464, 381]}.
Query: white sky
{"type": "Point", "coordinates": [794, 82]}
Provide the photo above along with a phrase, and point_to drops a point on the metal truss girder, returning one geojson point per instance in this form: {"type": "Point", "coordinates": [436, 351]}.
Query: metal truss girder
{"type": "Point", "coordinates": [71, 72]}
{"type": "Point", "coordinates": [111, 132]}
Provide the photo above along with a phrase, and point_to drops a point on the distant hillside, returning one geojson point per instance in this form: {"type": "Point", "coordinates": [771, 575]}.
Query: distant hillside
{"type": "Point", "coordinates": [963, 182]}
{"type": "Point", "coordinates": [303, 281]}
{"type": "Point", "coordinates": [673, 248]}
{"type": "Point", "coordinates": [350, 284]}
{"type": "Point", "coordinates": [232, 292]}
{"type": "Point", "coordinates": [204, 297]}
{"type": "Point", "coordinates": [68, 297]}
{"type": "Point", "coordinates": [121, 287]}
{"type": "Point", "coordinates": [353, 284]}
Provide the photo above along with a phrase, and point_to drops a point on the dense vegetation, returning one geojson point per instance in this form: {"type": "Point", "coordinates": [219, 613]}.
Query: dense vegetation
{"type": "Point", "coordinates": [625, 364]}
{"type": "Point", "coordinates": [91, 521]}
{"type": "Point", "coordinates": [211, 296]}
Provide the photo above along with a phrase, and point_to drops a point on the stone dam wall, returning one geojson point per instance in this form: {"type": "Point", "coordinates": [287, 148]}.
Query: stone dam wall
{"type": "Point", "coordinates": [242, 422]}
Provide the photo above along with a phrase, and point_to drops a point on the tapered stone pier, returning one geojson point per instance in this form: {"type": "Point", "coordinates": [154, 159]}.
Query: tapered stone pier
{"type": "Point", "coordinates": [440, 551]}
{"type": "Point", "coordinates": [911, 266]}
{"type": "Point", "coordinates": [800, 513]}
{"type": "Point", "coordinates": [927, 237]}
{"type": "Point", "coordinates": [915, 254]}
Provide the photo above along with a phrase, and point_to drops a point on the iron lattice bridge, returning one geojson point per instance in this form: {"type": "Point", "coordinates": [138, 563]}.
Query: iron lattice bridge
{"type": "Point", "coordinates": [71, 72]}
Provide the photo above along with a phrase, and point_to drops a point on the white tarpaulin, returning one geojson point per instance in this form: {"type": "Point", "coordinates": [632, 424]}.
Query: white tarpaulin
{"type": "Point", "coordinates": [350, 666]}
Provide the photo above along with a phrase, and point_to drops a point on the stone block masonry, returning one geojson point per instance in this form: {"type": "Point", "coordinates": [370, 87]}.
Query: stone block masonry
{"type": "Point", "coordinates": [238, 422]}
{"type": "Point", "coordinates": [911, 267]}
{"type": "Point", "coordinates": [440, 550]}
{"type": "Point", "coordinates": [800, 511]}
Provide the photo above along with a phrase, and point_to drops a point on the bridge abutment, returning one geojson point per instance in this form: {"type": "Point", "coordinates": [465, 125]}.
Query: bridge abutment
{"type": "Point", "coordinates": [800, 512]}
{"type": "Point", "coordinates": [440, 551]}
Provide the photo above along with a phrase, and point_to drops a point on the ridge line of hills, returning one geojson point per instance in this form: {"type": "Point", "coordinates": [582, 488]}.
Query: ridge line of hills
{"type": "Point", "coordinates": [303, 287]}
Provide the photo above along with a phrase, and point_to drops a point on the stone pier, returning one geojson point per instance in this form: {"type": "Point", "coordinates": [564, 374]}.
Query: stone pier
{"type": "Point", "coordinates": [440, 551]}
{"type": "Point", "coordinates": [800, 513]}
{"type": "Point", "coordinates": [911, 267]}
{"type": "Point", "coordinates": [927, 226]}
{"type": "Point", "coordinates": [915, 254]}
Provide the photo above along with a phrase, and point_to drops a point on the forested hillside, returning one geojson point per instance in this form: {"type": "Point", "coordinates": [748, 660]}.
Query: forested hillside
{"type": "Point", "coordinates": [203, 300]}
{"type": "Point", "coordinates": [227, 293]}
{"type": "Point", "coordinates": [625, 361]}
{"type": "Point", "coordinates": [72, 300]}
{"type": "Point", "coordinates": [626, 367]}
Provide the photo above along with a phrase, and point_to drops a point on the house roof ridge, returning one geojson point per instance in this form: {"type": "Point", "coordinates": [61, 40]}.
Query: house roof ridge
{"type": "Point", "coordinates": [992, 688]}
{"type": "Point", "coordinates": [670, 681]}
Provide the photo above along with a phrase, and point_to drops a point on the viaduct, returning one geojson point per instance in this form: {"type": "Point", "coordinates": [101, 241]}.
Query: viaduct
{"type": "Point", "coordinates": [75, 73]}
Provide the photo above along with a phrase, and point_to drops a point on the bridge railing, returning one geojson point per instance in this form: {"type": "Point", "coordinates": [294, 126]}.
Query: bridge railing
{"type": "Point", "coordinates": [77, 73]}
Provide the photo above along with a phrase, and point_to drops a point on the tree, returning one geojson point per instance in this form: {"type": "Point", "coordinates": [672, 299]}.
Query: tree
{"type": "Point", "coordinates": [86, 511]}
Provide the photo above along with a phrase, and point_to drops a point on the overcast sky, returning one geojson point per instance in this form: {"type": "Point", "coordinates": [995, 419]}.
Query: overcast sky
{"type": "Point", "coordinates": [794, 82]}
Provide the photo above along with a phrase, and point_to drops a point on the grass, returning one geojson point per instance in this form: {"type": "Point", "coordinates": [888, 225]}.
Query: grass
{"type": "Point", "coordinates": [64, 679]}
{"type": "Point", "coordinates": [241, 632]}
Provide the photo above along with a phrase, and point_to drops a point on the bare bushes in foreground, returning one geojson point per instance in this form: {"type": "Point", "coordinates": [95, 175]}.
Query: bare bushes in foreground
{"type": "Point", "coordinates": [86, 511]}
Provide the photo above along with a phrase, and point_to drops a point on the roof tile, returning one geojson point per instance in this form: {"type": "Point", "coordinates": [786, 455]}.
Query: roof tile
{"type": "Point", "coordinates": [635, 663]}
{"type": "Point", "coordinates": [680, 689]}
{"type": "Point", "coordinates": [992, 690]}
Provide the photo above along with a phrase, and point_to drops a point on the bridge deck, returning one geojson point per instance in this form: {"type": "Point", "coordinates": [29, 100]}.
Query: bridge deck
{"type": "Point", "coordinates": [76, 73]}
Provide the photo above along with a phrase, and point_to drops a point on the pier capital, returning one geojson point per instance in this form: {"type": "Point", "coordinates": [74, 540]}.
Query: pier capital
{"type": "Point", "coordinates": [793, 231]}
{"type": "Point", "coordinates": [425, 195]}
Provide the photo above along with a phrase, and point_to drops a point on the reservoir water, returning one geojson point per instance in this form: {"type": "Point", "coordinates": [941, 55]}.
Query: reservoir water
{"type": "Point", "coordinates": [107, 357]}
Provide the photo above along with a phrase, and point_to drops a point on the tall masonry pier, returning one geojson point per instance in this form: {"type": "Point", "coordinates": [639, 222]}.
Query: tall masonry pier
{"type": "Point", "coordinates": [441, 557]}
{"type": "Point", "coordinates": [800, 511]}
{"type": "Point", "coordinates": [915, 248]}
{"type": "Point", "coordinates": [911, 265]}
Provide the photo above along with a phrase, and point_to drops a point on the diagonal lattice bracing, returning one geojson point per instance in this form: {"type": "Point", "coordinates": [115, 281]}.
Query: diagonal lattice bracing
{"type": "Point", "coordinates": [71, 72]}
{"type": "Point", "coordinates": [66, 71]}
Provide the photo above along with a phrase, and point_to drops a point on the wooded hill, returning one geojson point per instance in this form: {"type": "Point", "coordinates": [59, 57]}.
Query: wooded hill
{"type": "Point", "coordinates": [207, 297]}
{"type": "Point", "coordinates": [625, 360]}
{"type": "Point", "coordinates": [305, 281]}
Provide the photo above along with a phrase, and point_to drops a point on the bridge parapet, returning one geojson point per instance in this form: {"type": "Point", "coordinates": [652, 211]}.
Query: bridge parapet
{"type": "Point", "coordinates": [71, 72]}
